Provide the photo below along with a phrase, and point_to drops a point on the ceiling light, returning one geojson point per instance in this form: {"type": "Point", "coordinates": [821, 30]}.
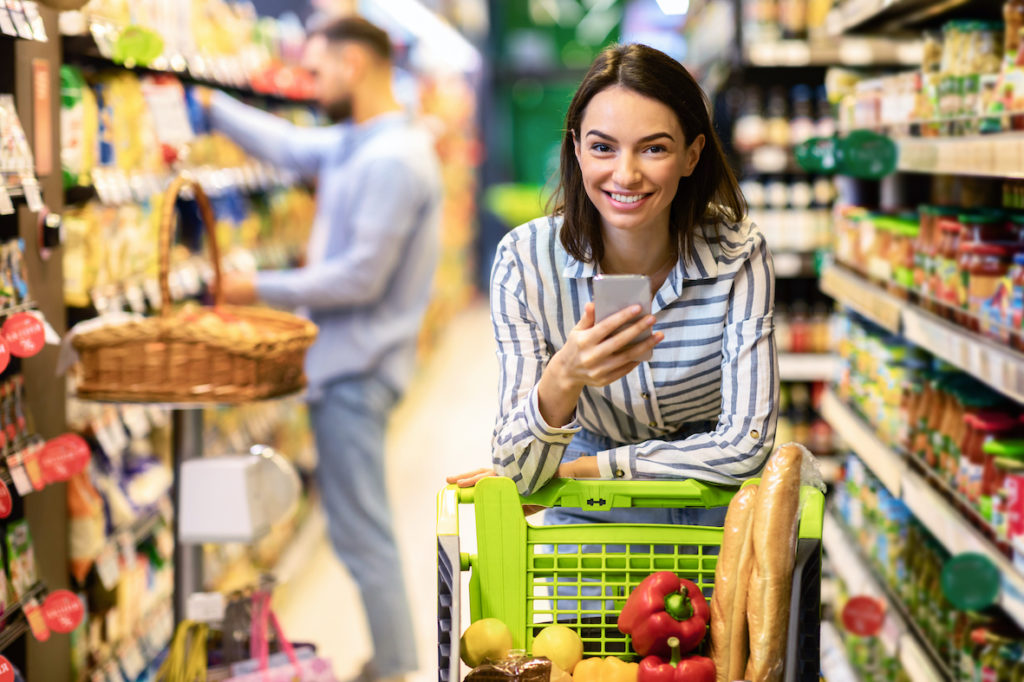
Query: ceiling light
{"type": "Point", "coordinates": [674, 6]}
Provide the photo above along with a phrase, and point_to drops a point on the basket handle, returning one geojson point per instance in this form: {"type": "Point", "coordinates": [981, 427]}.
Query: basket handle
{"type": "Point", "coordinates": [167, 224]}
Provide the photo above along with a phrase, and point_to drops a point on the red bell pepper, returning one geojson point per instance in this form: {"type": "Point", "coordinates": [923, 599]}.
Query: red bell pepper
{"type": "Point", "coordinates": [662, 606]}
{"type": "Point", "coordinates": [678, 669]}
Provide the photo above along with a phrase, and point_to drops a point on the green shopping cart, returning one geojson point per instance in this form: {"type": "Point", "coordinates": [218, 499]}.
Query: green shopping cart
{"type": "Point", "coordinates": [518, 564]}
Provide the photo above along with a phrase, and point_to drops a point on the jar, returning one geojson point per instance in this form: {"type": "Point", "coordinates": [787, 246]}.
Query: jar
{"type": "Point", "coordinates": [986, 226]}
{"type": "Point", "coordinates": [1004, 457]}
{"type": "Point", "coordinates": [1016, 308]}
{"type": "Point", "coordinates": [946, 276]}
{"type": "Point", "coordinates": [982, 477]}
{"type": "Point", "coordinates": [1015, 227]}
{"type": "Point", "coordinates": [988, 268]}
{"type": "Point", "coordinates": [901, 256]}
{"type": "Point", "coordinates": [986, 52]}
{"type": "Point", "coordinates": [965, 253]}
{"type": "Point", "coordinates": [876, 245]}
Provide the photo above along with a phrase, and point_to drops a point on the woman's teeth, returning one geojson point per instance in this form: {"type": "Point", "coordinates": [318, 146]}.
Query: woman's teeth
{"type": "Point", "coordinates": [627, 198]}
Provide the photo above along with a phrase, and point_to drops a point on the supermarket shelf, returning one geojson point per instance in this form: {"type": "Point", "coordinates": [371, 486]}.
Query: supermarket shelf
{"type": "Point", "coordinates": [888, 466]}
{"type": "Point", "coordinates": [807, 366]}
{"type": "Point", "coordinates": [85, 47]}
{"type": "Point", "coordinates": [995, 156]}
{"type": "Point", "coordinates": [899, 636]}
{"type": "Point", "coordinates": [847, 51]}
{"type": "Point", "coordinates": [948, 526]}
{"type": "Point", "coordinates": [794, 264]}
{"type": "Point", "coordinates": [863, 297]}
{"type": "Point", "coordinates": [834, 664]}
{"type": "Point", "coordinates": [992, 363]}
{"type": "Point", "coordinates": [849, 15]}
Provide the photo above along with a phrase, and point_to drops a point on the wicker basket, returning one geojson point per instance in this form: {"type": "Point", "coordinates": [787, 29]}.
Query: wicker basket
{"type": "Point", "coordinates": [173, 358]}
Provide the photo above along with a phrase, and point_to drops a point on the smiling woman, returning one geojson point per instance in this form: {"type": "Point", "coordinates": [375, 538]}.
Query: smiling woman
{"type": "Point", "coordinates": [644, 190]}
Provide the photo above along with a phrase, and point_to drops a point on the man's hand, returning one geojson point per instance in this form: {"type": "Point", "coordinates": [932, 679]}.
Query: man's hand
{"type": "Point", "coordinates": [239, 288]}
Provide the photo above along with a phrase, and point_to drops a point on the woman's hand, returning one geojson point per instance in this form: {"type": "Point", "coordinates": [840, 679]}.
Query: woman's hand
{"type": "Point", "coordinates": [593, 355]}
{"type": "Point", "coordinates": [470, 478]}
{"type": "Point", "coordinates": [583, 467]}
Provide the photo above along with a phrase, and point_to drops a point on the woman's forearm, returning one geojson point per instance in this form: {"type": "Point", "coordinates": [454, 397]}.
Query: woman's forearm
{"type": "Point", "coordinates": [556, 395]}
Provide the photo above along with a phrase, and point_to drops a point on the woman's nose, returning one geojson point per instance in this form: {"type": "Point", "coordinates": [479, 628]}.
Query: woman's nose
{"type": "Point", "coordinates": [627, 171]}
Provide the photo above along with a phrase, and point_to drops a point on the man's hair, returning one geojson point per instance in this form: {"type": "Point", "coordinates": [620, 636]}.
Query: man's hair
{"type": "Point", "coordinates": [357, 30]}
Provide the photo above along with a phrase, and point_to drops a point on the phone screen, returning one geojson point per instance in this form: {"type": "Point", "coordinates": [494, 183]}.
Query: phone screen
{"type": "Point", "coordinates": [613, 293]}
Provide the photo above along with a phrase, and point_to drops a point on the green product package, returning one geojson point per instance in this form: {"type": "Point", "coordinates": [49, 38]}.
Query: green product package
{"type": "Point", "coordinates": [21, 558]}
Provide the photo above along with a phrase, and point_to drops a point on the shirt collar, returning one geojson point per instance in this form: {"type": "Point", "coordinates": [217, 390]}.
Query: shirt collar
{"type": "Point", "coordinates": [701, 264]}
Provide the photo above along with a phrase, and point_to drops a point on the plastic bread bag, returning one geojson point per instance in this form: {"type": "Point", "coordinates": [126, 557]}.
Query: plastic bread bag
{"type": "Point", "coordinates": [776, 517]}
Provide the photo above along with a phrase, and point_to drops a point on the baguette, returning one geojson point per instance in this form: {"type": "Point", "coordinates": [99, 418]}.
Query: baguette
{"type": "Point", "coordinates": [729, 581]}
{"type": "Point", "coordinates": [728, 601]}
{"type": "Point", "coordinates": [774, 535]}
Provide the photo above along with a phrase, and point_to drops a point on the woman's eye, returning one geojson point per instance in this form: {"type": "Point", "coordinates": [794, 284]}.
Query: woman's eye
{"type": "Point", "coordinates": [656, 149]}
{"type": "Point", "coordinates": [601, 148]}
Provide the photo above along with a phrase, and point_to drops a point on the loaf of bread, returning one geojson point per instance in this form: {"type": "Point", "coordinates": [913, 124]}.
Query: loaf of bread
{"type": "Point", "coordinates": [774, 534]}
{"type": "Point", "coordinates": [728, 602]}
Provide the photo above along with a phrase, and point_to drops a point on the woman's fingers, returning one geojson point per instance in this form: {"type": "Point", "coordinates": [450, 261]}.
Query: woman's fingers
{"type": "Point", "coordinates": [470, 478]}
{"type": "Point", "coordinates": [628, 335]}
{"type": "Point", "coordinates": [608, 325]}
{"type": "Point", "coordinates": [587, 320]}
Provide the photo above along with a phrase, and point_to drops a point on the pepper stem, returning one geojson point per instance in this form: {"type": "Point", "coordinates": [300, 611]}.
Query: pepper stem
{"type": "Point", "coordinates": [677, 655]}
{"type": "Point", "coordinates": [679, 606]}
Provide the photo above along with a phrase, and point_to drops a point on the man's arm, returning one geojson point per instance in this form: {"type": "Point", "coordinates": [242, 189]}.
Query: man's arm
{"type": "Point", "coordinates": [299, 149]}
{"type": "Point", "coordinates": [391, 205]}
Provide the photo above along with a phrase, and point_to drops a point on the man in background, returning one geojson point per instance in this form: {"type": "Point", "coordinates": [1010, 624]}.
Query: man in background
{"type": "Point", "coordinates": [366, 283]}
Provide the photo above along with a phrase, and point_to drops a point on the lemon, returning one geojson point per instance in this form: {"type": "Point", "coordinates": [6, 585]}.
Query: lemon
{"type": "Point", "coordinates": [561, 645]}
{"type": "Point", "coordinates": [488, 639]}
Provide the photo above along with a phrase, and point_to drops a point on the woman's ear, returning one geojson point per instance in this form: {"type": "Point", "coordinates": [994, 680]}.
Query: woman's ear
{"type": "Point", "coordinates": [693, 155]}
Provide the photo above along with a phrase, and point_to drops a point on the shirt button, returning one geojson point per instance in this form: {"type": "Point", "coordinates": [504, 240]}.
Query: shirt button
{"type": "Point", "coordinates": [645, 396]}
{"type": "Point", "coordinates": [652, 424]}
{"type": "Point", "coordinates": [755, 434]}
{"type": "Point", "coordinates": [619, 473]}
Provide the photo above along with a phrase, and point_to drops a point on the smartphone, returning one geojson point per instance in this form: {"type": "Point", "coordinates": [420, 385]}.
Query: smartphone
{"type": "Point", "coordinates": [613, 293]}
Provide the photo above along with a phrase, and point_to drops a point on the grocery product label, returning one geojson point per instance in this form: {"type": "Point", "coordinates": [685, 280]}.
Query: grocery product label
{"type": "Point", "coordinates": [36, 620]}
{"type": "Point", "coordinates": [863, 616]}
{"type": "Point", "coordinates": [63, 611]}
{"type": "Point", "coordinates": [24, 334]}
{"type": "Point", "coordinates": [970, 581]}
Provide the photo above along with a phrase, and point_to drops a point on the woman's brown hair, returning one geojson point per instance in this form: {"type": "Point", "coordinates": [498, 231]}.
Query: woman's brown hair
{"type": "Point", "coordinates": [710, 192]}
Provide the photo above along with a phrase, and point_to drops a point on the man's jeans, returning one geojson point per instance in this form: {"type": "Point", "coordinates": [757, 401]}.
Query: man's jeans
{"type": "Point", "coordinates": [349, 423]}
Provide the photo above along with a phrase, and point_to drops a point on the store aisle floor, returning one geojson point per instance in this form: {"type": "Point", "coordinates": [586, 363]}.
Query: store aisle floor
{"type": "Point", "coordinates": [442, 426]}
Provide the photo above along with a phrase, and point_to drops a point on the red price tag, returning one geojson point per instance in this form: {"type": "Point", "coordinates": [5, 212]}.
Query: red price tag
{"type": "Point", "coordinates": [24, 334]}
{"type": "Point", "coordinates": [6, 670]}
{"type": "Point", "coordinates": [5, 355]}
{"type": "Point", "coordinates": [6, 501]}
{"type": "Point", "coordinates": [63, 611]}
{"type": "Point", "coordinates": [63, 457]}
{"type": "Point", "coordinates": [863, 616]}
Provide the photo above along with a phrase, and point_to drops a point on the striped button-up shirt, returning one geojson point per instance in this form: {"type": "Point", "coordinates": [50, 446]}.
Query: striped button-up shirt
{"type": "Point", "coordinates": [717, 362]}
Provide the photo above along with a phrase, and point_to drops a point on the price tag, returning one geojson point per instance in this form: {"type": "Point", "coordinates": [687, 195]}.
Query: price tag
{"type": "Point", "coordinates": [6, 501]}
{"type": "Point", "coordinates": [107, 566]}
{"type": "Point", "coordinates": [6, 205]}
{"type": "Point", "coordinates": [30, 458]}
{"type": "Point", "coordinates": [63, 457]}
{"type": "Point", "coordinates": [24, 334]}
{"type": "Point", "coordinates": [36, 620]}
{"type": "Point", "coordinates": [132, 662]}
{"type": "Point", "coordinates": [63, 611]}
{"type": "Point", "coordinates": [970, 581]}
{"type": "Point", "coordinates": [22, 483]}
{"type": "Point", "coordinates": [863, 616]}
{"type": "Point", "coordinates": [6, 670]}
{"type": "Point", "coordinates": [5, 355]}
{"type": "Point", "coordinates": [33, 197]}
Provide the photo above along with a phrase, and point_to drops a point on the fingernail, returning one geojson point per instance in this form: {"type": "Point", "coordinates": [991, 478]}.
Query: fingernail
{"type": "Point", "coordinates": [636, 308]}
{"type": "Point", "coordinates": [651, 319]}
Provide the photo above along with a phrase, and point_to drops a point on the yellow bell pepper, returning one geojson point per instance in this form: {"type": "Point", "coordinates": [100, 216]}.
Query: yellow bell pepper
{"type": "Point", "coordinates": [609, 669]}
